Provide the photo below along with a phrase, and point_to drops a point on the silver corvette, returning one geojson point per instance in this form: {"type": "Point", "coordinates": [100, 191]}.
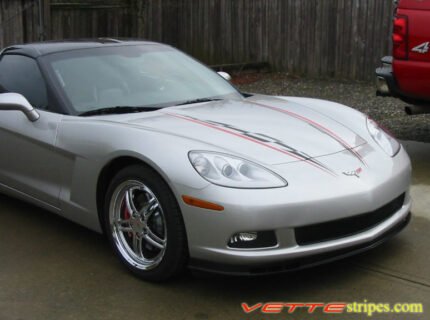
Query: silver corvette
{"type": "Point", "coordinates": [178, 168]}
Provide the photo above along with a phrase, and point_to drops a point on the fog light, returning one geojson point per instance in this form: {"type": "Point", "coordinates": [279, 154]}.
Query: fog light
{"type": "Point", "coordinates": [244, 236]}
{"type": "Point", "coordinates": [253, 240]}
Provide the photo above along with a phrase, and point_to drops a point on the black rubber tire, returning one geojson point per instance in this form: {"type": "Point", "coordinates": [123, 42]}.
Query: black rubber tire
{"type": "Point", "coordinates": [176, 254]}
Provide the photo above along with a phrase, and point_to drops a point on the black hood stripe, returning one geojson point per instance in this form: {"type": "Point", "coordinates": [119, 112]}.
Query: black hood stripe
{"type": "Point", "coordinates": [317, 126]}
{"type": "Point", "coordinates": [291, 152]}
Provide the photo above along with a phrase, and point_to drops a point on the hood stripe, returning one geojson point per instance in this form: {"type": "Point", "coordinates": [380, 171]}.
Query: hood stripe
{"type": "Point", "coordinates": [317, 126]}
{"type": "Point", "coordinates": [296, 156]}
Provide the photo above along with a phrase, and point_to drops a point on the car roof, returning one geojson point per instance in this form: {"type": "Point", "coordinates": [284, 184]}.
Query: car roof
{"type": "Point", "coordinates": [38, 49]}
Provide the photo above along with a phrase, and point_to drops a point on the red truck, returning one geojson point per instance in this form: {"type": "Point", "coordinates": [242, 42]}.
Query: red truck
{"type": "Point", "coordinates": [406, 74]}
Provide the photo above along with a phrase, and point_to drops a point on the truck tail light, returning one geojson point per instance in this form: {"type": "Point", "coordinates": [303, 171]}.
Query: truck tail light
{"type": "Point", "coordinates": [400, 37]}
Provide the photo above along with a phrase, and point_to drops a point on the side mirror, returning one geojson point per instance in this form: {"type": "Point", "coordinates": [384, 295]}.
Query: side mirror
{"type": "Point", "coordinates": [17, 102]}
{"type": "Point", "coordinates": [225, 75]}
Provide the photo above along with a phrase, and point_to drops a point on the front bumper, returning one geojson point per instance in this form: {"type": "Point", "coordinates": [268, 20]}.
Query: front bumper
{"type": "Point", "coordinates": [295, 264]}
{"type": "Point", "coordinates": [321, 200]}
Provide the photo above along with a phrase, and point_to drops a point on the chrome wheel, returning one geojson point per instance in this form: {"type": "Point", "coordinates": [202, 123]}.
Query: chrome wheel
{"type": "Point", "coordinates": [138, 225]}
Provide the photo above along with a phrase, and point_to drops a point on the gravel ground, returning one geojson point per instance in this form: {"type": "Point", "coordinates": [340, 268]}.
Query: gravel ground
{"type": "Point", "coordinates": [387, 111]}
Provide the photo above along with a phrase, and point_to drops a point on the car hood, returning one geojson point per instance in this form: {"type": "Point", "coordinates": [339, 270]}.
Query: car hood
{"type": "Point", "coordinates": [268, 129]}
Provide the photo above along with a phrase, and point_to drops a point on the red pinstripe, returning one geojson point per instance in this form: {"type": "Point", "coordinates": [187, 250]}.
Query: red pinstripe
{"type": "Point", "coordinates": [249, 139]}
{"type": "Point", "coordinates": [310, 121]}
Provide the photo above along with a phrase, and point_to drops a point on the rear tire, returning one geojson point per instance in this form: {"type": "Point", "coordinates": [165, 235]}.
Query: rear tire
{"type": "Point", "coordinates": [144, 224]}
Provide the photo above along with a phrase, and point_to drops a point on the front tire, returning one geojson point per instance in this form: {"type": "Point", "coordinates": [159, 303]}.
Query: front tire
{"type": "Point", "coordinates": [144, 224]}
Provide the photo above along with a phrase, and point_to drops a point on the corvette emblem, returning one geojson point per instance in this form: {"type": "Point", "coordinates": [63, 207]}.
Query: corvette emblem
{"type": "Point", "coordinates": [355, 173]}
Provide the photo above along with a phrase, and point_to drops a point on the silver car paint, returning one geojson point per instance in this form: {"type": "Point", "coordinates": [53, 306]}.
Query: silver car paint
{"type": "Point", "coordinates": [29, 162]}
{"type": "Point", "coordinates": [56, 161]}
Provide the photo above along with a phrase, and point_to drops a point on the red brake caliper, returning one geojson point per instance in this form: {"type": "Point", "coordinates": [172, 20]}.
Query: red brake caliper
{"type": "Point", "coordinates": [126, 215]}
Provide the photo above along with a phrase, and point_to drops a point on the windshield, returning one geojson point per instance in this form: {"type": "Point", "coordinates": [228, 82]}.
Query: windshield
{"type": "Point", "coordinates": [143, 76]}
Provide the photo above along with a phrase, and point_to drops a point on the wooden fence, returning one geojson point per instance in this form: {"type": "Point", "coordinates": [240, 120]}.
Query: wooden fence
{"type": "Point", "coordinates": [33, 20]}
{"type": "Point", "coordinates": [19, 21]}
{"type": "Point", "coordinates": [315, 38]}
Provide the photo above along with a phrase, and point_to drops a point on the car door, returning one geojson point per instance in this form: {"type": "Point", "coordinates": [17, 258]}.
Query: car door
{"type": "Point", "coordinates": [28, 159]}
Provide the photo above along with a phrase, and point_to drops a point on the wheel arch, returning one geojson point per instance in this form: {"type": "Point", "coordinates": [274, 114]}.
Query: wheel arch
{"type": "Point", "coordinates": [110, 170]}
{"type": "Point", "coordinates": [178, 256]}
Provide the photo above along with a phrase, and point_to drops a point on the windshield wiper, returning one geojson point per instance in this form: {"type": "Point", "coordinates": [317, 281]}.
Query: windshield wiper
{"type": "Point", "coordinates": [117, 110]}
{"type": "Point", "coordinates": [197, 101]}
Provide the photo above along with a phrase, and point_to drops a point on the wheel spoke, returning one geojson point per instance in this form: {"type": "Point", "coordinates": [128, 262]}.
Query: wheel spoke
{"type": "Point", "coordinates": [154, 240]}
{"type": "Point", "coordinates": [137, 245]}
{"type": "Point", "coordinates": [149, 209]}
{"type": "Point", "coordinates": [124, 225]}
{"type": "Point", "coordinates": [129, 202]}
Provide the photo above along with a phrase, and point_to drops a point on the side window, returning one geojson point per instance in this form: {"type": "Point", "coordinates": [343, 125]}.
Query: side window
{"type": "Point", "coordinates": [22, 75]}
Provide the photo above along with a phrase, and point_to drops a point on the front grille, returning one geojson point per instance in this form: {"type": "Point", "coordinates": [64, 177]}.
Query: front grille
{"type": "Point", "coordinates": [341, 228]}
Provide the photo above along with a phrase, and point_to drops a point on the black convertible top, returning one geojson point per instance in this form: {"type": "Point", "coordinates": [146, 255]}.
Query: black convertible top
{"type": "Point", "coordinates": [38, 49]}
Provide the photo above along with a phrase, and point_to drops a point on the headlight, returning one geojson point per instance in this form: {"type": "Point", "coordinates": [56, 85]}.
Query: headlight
{"type": "Point", "coordinates": [388, 143]}
{"type": "Point", "coordinates": [229, 171]}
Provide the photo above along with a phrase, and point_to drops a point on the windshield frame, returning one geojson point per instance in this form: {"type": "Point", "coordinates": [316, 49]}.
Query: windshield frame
{"type": "Point", "coordinates": [46, 62]}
